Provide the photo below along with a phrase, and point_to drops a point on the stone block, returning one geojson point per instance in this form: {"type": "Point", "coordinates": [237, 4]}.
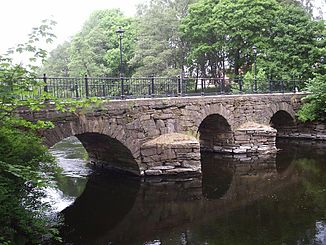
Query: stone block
{"type": "Point", "coordinates": [239, 151]}
{"type": "Point", "coordinates": [163, 116]}
{"type": "Point", "coordinates": [160, 124]}
{"type": "Point", "coordinates": [162, 167]}
{"type": "Point", "coordinates": [181, 170]}
{"type": "Point", "coordinates": [190, 164]}
{"type": "Point", "coordinates": [148, 151]}
{"type": "Point", "coordinates": [151, 172]}
{"type": "Point", "coordinates": [174, 163]}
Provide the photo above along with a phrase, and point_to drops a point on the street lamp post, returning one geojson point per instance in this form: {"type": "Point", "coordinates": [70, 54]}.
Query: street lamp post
{"type": "Point", "coordinates": [254, 49]}
{"type": "Point", "coordinates": [120, 32]}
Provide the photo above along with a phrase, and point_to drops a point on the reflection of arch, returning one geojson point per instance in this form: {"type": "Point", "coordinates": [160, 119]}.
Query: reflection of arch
{"type": "Point", "coordinates": [214, 132]}
{"type": "Point", "coordinates": [217, 176]}
{"type": "Point", "coordinates": [103, 204]}
{"type": "Point", "coordinates": [106, 142]}
{"type": "Point", "coordinates": [285, 156]}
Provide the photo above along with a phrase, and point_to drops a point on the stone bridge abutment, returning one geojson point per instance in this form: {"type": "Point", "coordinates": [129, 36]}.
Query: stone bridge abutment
{"type": "Point", "coordinates": [165, 136]}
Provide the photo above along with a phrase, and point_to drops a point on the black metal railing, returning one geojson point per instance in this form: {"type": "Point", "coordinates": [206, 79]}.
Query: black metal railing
{"type": "Point", "coordinates": [121, 88]}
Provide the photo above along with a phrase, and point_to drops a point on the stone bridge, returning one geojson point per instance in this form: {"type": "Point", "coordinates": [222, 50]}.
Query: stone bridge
{"type": "Point", "coordinates": [165, 136]}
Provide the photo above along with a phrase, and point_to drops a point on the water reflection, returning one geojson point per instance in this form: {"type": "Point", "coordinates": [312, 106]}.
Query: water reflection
{"type": "Point", "coordinates": [274, 199]}
{"type": "Point", "coordinates": [105, 201]}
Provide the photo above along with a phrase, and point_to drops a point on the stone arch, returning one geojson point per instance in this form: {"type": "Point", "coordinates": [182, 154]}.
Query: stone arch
{"type": "Point", "coordinates": [212, 109]}
{"type": "Point", "coordinates": [275, 108]}
{"type": "Point", "coordinates": [101, 138]}
{"type": "Point", "coordinates": [215, 132]}
{"type": "Point", "coordinates": [281, 118]}
{"type": "Point", "coordinates": [283, 122]}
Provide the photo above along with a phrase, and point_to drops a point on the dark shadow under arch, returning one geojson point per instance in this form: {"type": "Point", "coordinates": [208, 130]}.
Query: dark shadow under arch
{"type": "Point", "coordinates": [217, 175]}
{"type": "Point", "coordinates": [107, 199]}
{"type": "Point", "coordinates": [108, 153]}
{"type": "Point", "coordinates": [283, 122]}
{"type": "Point", "coordinates": [214, 132]}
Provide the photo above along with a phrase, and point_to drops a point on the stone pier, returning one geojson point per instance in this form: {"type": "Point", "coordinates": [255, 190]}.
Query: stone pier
{"type": "Point", "coordinates": [171, 154]}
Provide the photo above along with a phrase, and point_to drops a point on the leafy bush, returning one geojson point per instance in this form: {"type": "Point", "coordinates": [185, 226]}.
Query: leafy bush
{"type": "Point", "coordinates": [314, 107]}
{"type": "Point", "coordinates": [20, 176]}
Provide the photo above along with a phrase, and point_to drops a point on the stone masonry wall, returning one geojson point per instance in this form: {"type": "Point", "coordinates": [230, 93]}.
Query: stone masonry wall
{"type": "Point", "coordinates": [136, 122]}
{"type": "Point", "coordinates": [309, 130]}
{"type": "Point", "coordinates": [171, 154]}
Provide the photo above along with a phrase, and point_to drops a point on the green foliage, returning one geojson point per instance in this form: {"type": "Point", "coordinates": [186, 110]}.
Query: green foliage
{"type": "Point", "coordinates": [222, 33]}
{"type": "Point", "coordinates": [314, 107]}
{"type": "Point", "coordinates": [21, 174]}
{"type": "Point", "coordinates": [25, 164]}
{"type": "Point", "coordinates": [159, 49]}
{"type": "Point", "coordinates": [205, 38]}
{"type": "Point", "coordinates": [18, 84]}
{"type": "Point", "coordinates": [95, 49]}
{"type": "Point", "coordinates": [248, 83]}
{"type": "Point", "coordinates": [57, 64]}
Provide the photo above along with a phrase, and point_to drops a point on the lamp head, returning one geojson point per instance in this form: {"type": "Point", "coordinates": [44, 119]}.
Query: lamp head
{"type": "Point", "coordinates": [120, 31]}
{"type": "Point", "coordinates": [254, 49]}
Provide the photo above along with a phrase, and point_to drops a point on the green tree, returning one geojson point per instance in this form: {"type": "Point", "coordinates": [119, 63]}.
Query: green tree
{"type": "Point", "coordinates": [95, 49]}
{"type": "Point", "coordinates": [21, 152]}
{"type": "Point", "coordinates": [159, 49]}
{"type": "Point", "coordinates": [23, 158]}
{"type": "Point", "coordinates": [206, 57]}
{"type": "Point", "coordinates": [58, 62]}
{"type": "Point", "coordinates": [224, 31]}
{"type": "Point", "coordinates": [314, 107]}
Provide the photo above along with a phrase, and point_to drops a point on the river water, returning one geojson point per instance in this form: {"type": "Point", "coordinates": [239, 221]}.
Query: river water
{"type": "Point", "coordinates": [274, 199]}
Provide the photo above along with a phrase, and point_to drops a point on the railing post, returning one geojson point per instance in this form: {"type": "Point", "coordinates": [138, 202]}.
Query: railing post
{"type": "Point", "coordinates": [149, 86]}
{"type": "Point", "coordinates": [153, 86]}
{"type": "Point", "coordinates": [240, 85]}
{"type": "Point", "coordinates": [222, 86]}
{"type": "Point", "coordinates": [202, 86]}
{"type": "Point", "coordinates": [180, 78]}
{"type": "Point", "coordinates": [76, 90]}
{"type": "Point", "coordinates": [46, 89]}
{"type": "Point", "coordinates": [86, 86]}
{"type": "Point", "coordinates": [122, 88]}
{"type": "Point", "coordinates": [282, 86]}
{"type": "Point", "coordinates": [103, 90]}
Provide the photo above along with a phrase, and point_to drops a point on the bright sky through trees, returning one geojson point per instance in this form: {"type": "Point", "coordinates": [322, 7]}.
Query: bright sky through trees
{"type": "Point", "coordinates": [18, 17]}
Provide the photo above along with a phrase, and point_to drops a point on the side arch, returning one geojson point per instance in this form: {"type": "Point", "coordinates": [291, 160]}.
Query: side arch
{"type": "Point", "coordinates": [283, 122]}
{"type": "Point", "coordinates": [274, 108]}
{"type": "Point", "coordinates": [217, 109]}
{"type": "Point", "coordinates": [107, 143]}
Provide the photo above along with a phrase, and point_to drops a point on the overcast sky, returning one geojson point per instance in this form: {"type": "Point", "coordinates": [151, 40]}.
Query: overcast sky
{"type": "Point", "coordinates": [18, 17]}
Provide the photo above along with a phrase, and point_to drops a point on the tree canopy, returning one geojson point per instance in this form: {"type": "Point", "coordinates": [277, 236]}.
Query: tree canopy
{"type": "Point", "coordinates": [159, 48]}
{"type": "Point", "coordinates": [95, 49]}
{"type": "Point", "coordinates": [223, 32]}
{"type": "Point", "coordinates": [202, 38]}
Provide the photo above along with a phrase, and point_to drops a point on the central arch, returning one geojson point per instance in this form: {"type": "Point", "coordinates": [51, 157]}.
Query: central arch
{"type": "Point", "coordinates": [215, 133]}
